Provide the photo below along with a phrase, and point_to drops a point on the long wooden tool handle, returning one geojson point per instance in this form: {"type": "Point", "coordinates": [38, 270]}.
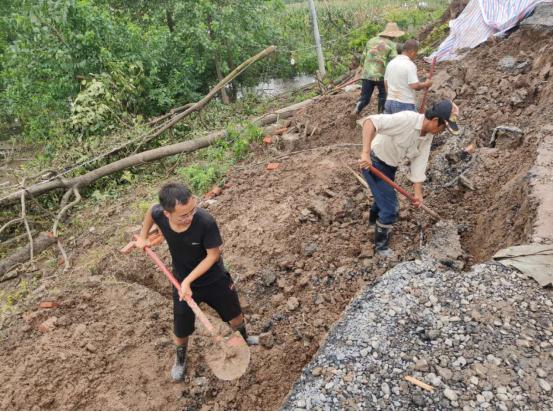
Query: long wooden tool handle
{"type": "Point", "coordinates": [404, 192]}
{"type": "Point", "coordinates": [193, 305]}
{"type": "Point", "coordinates": [425, 96]}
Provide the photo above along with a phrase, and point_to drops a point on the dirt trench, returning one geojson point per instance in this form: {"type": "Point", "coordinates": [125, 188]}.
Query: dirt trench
{"type": "Point", "coordinates": [296, 244]}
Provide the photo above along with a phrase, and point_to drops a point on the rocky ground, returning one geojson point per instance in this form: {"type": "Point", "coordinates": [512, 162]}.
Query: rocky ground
{"type": "Point", "coordinates": [485, 343]}
{"type": "Point", "coordinates": [297, 245]}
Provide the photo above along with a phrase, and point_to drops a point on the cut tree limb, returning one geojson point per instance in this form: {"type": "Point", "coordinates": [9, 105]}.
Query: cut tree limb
{"type": "Point", "coordinates": [134, 160]}
{"type": "Point", "coordinates": [145, 157]}
{"type": "Point", "coordinates": [158, 130]}
{"type": "Point", "coordinates": [42, 242]}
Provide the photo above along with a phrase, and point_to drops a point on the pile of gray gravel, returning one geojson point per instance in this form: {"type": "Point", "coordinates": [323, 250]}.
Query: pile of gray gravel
{"type": "Point", "coordinates": [482, 339]}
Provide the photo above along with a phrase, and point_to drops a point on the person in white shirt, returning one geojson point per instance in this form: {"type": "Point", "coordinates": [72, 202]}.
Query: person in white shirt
{"type": "Point", "coordinates": [401, 80]}
{"type": "Point", "coordinates": [387, 140]}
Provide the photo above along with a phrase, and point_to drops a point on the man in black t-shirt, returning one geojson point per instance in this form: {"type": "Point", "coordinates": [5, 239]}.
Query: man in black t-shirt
{"type": "Point", "coordinates": [195, 244]}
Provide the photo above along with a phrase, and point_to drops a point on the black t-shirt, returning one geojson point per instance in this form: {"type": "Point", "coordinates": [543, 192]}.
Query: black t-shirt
{"type": "Point", "coordinates": [188, 248]}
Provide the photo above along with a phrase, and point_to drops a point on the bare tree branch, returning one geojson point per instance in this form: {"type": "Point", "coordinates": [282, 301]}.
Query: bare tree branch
{"type": "Point", "coordinates": [11, 222]}
{"type": "Point", "coordinates": [26, 223]}
{"type": "Point", "coordinates": [54, 183]}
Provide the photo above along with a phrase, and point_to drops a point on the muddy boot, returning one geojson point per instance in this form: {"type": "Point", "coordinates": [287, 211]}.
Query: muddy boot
{"type": "Point", "coordinates": [372, 220]}
{"type": "Point", "coordinates": [179, 367]}
{"type": "Point", "coordinates": [353, 116]}
{"type": "Point", "coordinates": [381, 240]}
{"type": "Point", "coordinates": [250, 340]}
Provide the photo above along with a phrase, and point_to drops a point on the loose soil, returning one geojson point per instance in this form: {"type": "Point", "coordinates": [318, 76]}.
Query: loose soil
{"type": "Point", "coordinates": [296, 243]}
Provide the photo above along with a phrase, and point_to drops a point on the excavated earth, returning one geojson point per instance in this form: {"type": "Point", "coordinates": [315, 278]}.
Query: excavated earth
{"type": "Point", "coordinates": [296, 243]}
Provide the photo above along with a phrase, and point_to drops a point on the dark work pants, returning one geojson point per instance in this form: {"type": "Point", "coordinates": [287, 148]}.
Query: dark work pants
{"type": "Point", "coordinates": [385, 203]}
{"type": "Point", "coordinates": [366, 92]}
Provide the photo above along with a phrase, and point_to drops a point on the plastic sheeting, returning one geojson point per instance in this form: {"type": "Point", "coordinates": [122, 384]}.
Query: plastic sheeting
{"type": "Point", "coordinates": [533, 260]}
{"type": "Point", "coordinates": [481, 19]}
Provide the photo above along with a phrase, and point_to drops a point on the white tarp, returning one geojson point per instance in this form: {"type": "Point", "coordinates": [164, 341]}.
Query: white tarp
{"type": "Point", "coordinates": [534, 260]}
{"type": "Point", "coordinates": [481, 19]}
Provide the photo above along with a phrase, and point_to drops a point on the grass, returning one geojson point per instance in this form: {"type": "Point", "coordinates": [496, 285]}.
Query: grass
{"type": "Point", "coordinates": [9, 299]}
{"type": "Point", "coordinates": [215, 160]}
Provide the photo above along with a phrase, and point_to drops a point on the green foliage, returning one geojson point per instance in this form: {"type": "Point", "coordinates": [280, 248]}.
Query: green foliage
{"type": "Point", "coordinates": [202, 177]}
{"type": "Point", "coordinates": [83, 70]}
{"type": "Point", "coordinates": [8, 299]}
{"type": "Point", "coordinates": [437, 34]}
{"type": "Point", "coordinates": [215, 160]}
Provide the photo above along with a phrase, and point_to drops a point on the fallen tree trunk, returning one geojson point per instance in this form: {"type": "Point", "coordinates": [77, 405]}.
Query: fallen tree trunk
{"type": "Point", "coordinates": [175, 116]}
{"type": "Point", "coordinates": [42, 242]}
{"type": "Point", "coordinates": [145, 157]}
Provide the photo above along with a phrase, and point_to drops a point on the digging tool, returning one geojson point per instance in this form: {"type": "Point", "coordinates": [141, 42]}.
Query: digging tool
{"type": "Point", "coordinates": [425, 96]}
{"type": "Point", "coordinates": [234, 358]}
{"type": "Point", "coordinates": [394, 185]}
{"type": "Point", "coordinates": [404, 192]}
{"type": "Point", "coordinates": [155, 238]}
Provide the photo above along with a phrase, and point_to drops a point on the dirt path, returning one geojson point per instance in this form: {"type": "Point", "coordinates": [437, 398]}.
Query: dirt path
{"type": "Point", "coordinates": [296, 243]}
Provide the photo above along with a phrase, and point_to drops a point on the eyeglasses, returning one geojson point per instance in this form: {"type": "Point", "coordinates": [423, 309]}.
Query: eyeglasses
{"type": "Point", "coordinates": [189, 214]}
{"type": "Point", "coordinates": [192, 212]}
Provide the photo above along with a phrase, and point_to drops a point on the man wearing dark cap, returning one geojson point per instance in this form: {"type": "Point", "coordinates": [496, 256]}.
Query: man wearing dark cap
{"type": "Point", "coordinates": [387, 140]}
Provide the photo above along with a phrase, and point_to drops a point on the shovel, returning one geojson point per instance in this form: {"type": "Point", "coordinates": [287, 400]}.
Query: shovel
{"type": "Point", "coordinates": [233, 359]}
{"type": "Point", "coordinates": [391, 183]}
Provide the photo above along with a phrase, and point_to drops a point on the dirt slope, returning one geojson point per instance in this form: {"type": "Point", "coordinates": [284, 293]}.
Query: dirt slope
{"type": "Point", "coordinates": [296, 232]}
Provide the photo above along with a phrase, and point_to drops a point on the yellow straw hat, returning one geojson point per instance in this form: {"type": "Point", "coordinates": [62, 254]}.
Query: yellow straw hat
{"type": "Point", "coordinates": [392, 30]}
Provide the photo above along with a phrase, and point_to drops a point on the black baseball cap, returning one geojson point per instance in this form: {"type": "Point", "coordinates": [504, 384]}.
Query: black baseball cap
{"type": "Point", "coordinates": [447, 112]}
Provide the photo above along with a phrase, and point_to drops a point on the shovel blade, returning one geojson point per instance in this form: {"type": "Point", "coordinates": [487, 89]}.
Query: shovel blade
{"type": "Point", "coordinates": [233, 362]}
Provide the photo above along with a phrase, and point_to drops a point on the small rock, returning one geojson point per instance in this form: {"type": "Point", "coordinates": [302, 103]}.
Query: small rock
{"type": "Point", "coordinates": [487, 395]}
{"type": "Point", "coordinates": [301, 403]}
{"type": "Point", "coordinates": [268, 277]}
{"type": "Point", "coordinates": [544, 385]}
{"type": "Point", "coordinates": [444, 373]}
{"type": "Point", "coordinates": [421, 365]}
{"type": "Point", "coordinates": [480, 369]}
{"type": "Point", "coordinates": [293, 303]}
{"type": "Point", "coordinates": [276, 299]}
{"type": "Point", "coordinates": [303, 281]}
{"type": "Point", "coordinates": [90, 347]}
{"type": "Point", "coordinates": [450, 394]}
{"type": "Point", "coordinates": [502, 397]}
{"type": "Point", "coordinates": [480, 398]}
{"type": "Point", "coordinates": [201, 381]}
{"type": "Point", "coordinates": [473, 380]}
{"type": "Point", "coordinates": [460, 362]}
{"type": "Point", "coordinates": [48, 325]}
{"type": "Point", "coordinates": [316, 371]}
{"type": "Point", "coordinates": [418, 400]}
{"type": "Point", "coordinates": [267, 340]}
{"type": "Point", "coordinates": [541, 373]}
{"type": "Point", "coordinates": [310, 249]}
{"type": "Point", "coordinates": [385, 389]}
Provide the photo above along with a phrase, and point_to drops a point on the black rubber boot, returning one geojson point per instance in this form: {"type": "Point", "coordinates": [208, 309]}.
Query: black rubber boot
{"type": "Point", "coordinates": [381, 240]}
{"type": "Point", "coordinates": [372, 218]}
{"type": "Point", "coordinates": [179, 367]}
{"type": "Point", "coordinates": [250, 340]}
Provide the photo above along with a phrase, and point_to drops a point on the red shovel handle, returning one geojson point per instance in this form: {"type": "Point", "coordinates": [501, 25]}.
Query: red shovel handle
{"type": "Point", "coordinates": [425, 96]}
{"type": "Point", "coordinates": [401, 190]}
{"type": "Point", "coordinates": [193, 305]}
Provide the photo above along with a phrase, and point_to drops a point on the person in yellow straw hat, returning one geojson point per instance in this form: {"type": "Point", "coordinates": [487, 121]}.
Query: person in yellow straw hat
{"type": "Point", "coordinates": [378, 52]}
